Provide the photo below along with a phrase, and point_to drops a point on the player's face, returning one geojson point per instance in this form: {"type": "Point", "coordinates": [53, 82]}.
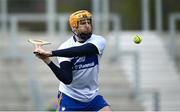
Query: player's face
{"type": "Point", "coordinates": [84, 26]}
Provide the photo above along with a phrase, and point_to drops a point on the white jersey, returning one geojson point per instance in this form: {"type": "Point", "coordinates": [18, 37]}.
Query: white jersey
{"type": "Point", "coordinates": [84, 86]}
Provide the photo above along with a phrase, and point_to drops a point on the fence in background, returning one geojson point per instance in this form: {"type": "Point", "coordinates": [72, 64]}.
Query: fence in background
{"type": "Point", "coordinates": [172, 44]}
{"type": "Point", "coordinates": [146, 14]}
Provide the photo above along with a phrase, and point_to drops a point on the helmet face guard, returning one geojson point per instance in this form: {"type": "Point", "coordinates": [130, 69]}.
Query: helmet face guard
{"type": "Point", "coordinates": [77, 16]}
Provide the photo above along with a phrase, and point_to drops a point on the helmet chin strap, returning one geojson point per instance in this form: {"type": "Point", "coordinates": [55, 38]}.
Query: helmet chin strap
{"type": "Point", "coordinates": [74, 33]}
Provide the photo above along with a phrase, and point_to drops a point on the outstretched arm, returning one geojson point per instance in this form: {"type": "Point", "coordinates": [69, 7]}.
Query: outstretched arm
{"type": "Point", "coordinates": [83, 50]}
{"type": "Point", "coordinates": [86, 49]}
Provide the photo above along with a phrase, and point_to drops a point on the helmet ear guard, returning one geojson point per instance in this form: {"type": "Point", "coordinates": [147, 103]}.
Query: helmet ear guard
{"type": "Point", "coordinates": [77, 16]}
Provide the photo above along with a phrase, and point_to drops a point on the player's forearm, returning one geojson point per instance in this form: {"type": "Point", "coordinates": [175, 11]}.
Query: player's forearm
{"type": "Point", "coordinates": [87, 49]}
{"type": "Point", "coordinates": [64, 73]}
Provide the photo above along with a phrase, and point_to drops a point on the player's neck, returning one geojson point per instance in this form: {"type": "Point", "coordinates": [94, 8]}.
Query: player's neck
{"type": "Point", "coordinates": [79, 39]}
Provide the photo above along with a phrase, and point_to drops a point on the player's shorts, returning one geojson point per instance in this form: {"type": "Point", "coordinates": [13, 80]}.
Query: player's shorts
{"type": "Point", "coordinates": [69, 104]}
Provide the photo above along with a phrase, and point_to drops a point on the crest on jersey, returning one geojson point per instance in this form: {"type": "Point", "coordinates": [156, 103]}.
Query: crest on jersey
{"type": "Point", "coordinates": [84, 62]}
{"type": "Point", "coordinates": [80, 60]}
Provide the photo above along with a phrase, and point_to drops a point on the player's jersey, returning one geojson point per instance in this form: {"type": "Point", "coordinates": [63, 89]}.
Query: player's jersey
{"type": "Point", "coordinates": [84, 86]}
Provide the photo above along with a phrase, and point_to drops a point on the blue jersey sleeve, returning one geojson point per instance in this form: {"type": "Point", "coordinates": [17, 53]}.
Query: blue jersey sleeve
{"type": "Point", "coordinates": [83, 50]}
{"type": "Point", "coordinates": [64, 73]}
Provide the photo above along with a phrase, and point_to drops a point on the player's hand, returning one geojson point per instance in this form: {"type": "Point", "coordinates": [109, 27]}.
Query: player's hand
{"type": "Point", "coordinates": [39, 51]}
{"type": "Point", "coordinates": [40, 56]}
{"type": "Point", "coordinates": [44, 58]}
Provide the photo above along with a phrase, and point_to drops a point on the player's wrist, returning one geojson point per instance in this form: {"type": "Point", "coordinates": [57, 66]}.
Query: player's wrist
{"type": "Point", "coordinates": [47, 60]}
{"type": "Point", "coordinates": [49, 53]}
{"type": "Point", "coordinates": [54, 53]}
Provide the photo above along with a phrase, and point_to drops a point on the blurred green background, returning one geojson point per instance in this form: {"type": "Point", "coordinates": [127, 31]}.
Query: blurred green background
{"type": "Point", "coordinates": [130, 10]}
